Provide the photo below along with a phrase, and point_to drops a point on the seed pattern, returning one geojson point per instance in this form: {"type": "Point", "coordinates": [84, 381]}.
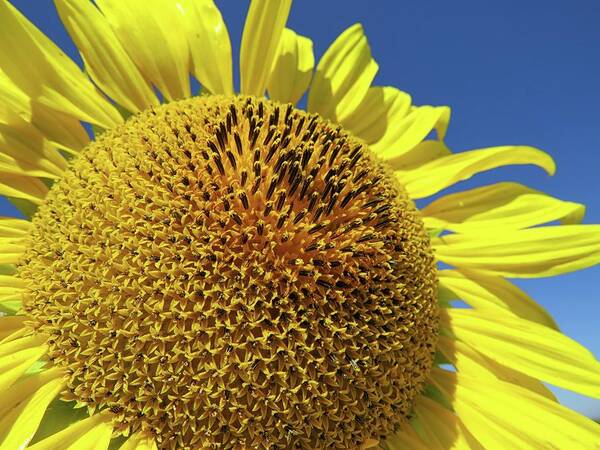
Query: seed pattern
{"type": "Point", "coordinates": [229, 272]}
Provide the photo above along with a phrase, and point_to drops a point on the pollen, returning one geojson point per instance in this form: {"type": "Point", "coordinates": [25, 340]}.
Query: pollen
{"type": "Point", "coordinates": [230, 272]}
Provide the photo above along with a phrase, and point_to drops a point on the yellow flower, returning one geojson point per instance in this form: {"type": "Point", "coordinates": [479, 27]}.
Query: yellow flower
{"type": "Point", "coordinates": [226, 270]}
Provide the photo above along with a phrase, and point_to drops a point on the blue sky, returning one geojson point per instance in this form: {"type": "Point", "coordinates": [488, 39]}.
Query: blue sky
{"type": "Point", "coordinates": [513, 72]}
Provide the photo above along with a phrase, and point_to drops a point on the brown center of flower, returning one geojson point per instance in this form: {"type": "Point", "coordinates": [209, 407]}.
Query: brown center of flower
{"type": "Point", "coordinates": [229, 272]}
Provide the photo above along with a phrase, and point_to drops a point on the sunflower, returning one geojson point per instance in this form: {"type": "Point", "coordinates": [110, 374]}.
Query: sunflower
{"type": "Point", "coordinates": [222, 269]}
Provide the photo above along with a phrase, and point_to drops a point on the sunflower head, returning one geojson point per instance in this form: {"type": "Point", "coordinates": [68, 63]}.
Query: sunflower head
{"type": "Point", "coordinates": [228, 271]}
{"type": "Point", "coordinates": [233, 271]}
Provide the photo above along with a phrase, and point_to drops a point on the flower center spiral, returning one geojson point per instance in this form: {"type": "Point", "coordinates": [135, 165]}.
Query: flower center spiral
{"type": "Point", "coordinates": [230, 272]}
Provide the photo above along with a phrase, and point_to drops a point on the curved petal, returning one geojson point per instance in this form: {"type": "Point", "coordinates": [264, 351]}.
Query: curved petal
{"type": "Point", "coordinates": [292, 69]}
{"type": "Point", "coordinates": [411, 130]}
{"type": "Point", "coordinates": [209, 45]}
{"type": "Point", "coordinates": [139, 442]}
{"type": "Point", "coordinates": [24, 151]}
{"type": "Point", "coordinates": [10, 282]}
{"type": "Point", "coordinates": [436, 175]}
{"type": "Point", "coordinates": [530, 348]}
{"type": "Point", "coordinates": [503, 415]}
{"type": "Point", "coordinates": [26, 342]}
{"type": "Point", "coordinates": [11, 252]}
{"type": "Point", "coordinates": [443, 428]}
{"type": "Point", "coordinates": [405, 439]}
{"type": "Point", "coordinates": [93, 433]}
{"type": "Point", "coordinates": [529, 253]}
{"type": "Point", "coordinates": [501, 205]}
{"type": "Point", "coordinates": [343, 77]}
{"type": "Point", "coordinates": [60, 129]}
{"type": "Point", "coordinates": [11, 326]}
{"type": "Point", "coordinates": [19, 424]}
{"type": "Point", "coordinates": [56, 81]}
{"type": "Point", "coordinates": [21, 186]}
{"type": "Point", "coordinates": [260, 40]}
{"type": "Point", "coordinates": [151, 32]}
{"type": "Point", "coordinates": [5, 242]}
{"type": "Point", "coordinates": [423, 153]}
{"type": "Point", "coordinates": [14, 365]}
{"type": "Point", "coordinates": [11, 289]}
{"type": "Point", "coordinates": [13, 102]}
{"type": "Point", "coordinates": [13, 227]}
{"type": "Point", "coordinates": [105, 59]}
{"type": "Point", "coordinates": [470, 362]}
{"type": "Point", "coordinates": [494, 294]}
{"type": "Point", "coordinates": [369, 443]}
{"type": "Point", "coordinates": [25, 387]}
{"type": "Point", "coordinates": [379, 114]}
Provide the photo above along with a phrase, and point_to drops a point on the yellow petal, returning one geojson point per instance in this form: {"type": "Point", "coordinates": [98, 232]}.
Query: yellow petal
{"type": "Point", "coordinates": [105, 59]}
{"type": "Point", "coordinates": [10, 285]}
{"type": "Point", "coordinates": [151, 31]}
{"type": "Point", "coordinates": [60, 129]}
{"type": "Point", "coordinates": [10, 304]}
{"type": "Point", "coordinates": [260, 40]}
{"type": "Point", "coordinates": [407, 133]}
{"type": "Point", "coordinates": [12, 248]}
{"type": "Point", "coordinates": [14, 104]}
{"type": "Point", "coordinates": [405, 439]}
{"type": "Point", "coordinates": [7, 269]}
{"type": "Point", "coordinates": [98, 438]}
{"type": "Point", "coordinates": [26, 387]}
{"type": "Point", "coordinates": [472, 363]}
{"type": "Point", "coordinates": [11, 289]}
{"type": "Point", "coordinates": [18, 427]}
{"type": "Point", "coordinates": [494, 294]}
{"type": "Point", "coordinates": [11, 252]}
{"type": "Point", "coordinates": [530, 348]}
{"type": "Point", "coordinates": [520, 379]}
{"type": "Point", "coordinates": [209, 44]}
{"type": "Point", "coordinates": [444, 430]}
{"type": "Point", "coordinates": [343, 77]}
{"type": "Point", "coordinates": [9, 325]}
{"type": "Point", "coordinates": [21, 186]}
{"type": "Point", "coordinates": [11, 255]}
{"type": "Point", "coordinates": [15, 364]}
{"type": "Point", "coordinates": [369, 443]}
{"type": "Point", "coordinates": [11, 282]}
{"type": "Point", "coordinates": [23, 150]}
{"type": "Point", "coordinates": [506, 416]}
{"type": "Point", "coordinates": [18, 134]}
{"type": "Point", "coordinates": [423, 153]}
{"type": "Point", "coordinates": [6, 336]}
{"type": "Point", "coordinates": [446, 171]}
{"type": "Point", "coordinates": [13, 328]}
{"type": "Point", "coordinates": [378, 114]}
{"type": "Point", "coordinates": [13, 227]}
{"type": "Point", "coordinates": [292, 69]}
{"type": "Point", "coordinates": [529, 253]}
{"type": "Point", "coordinates": [501, 205]}
{"type": "Point", "coordinates": [56, 81]}
{"type": "Point", "coordinates": [139, 442]}
{"type": "Point", "coordinates": [20, 241]}
{"type": "Point", "coordinates": [93, 433]}
{"type": "Point", "coordinates": [23, 343]}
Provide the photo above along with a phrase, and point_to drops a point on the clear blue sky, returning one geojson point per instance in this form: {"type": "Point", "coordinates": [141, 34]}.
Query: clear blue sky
{"type": "Point", "coordinates": [514, 72]}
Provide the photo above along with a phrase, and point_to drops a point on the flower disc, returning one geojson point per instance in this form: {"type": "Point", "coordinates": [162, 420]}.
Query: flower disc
{"type": "Point", "coordinates": [230, 272]}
